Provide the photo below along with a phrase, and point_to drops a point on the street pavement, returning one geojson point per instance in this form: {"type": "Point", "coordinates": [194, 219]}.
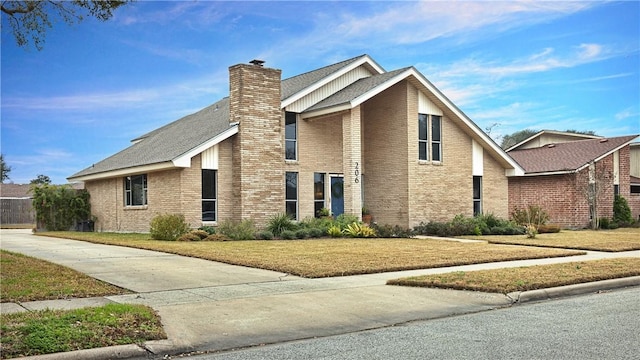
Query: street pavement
{"type": "Point", "coordinates": [209, 306]}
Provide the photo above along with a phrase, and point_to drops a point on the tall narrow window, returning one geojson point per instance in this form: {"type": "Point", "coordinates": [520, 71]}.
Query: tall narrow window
{"type": "Point", "coordinates": [209, 195]}
{"type": "Point", "coordinates": [135, 190]}
{"type": "Point", "coordinates": [318, 193]}
{"type": "Point", "coordinates": [423, 137]}
{"type": "Point", "coordinates": [477, 195]}
{"type": "Point", "coordinates": [436, 138]}
{"type": "Point", "coordinates": [291, 194]}
{"type": "Point", "coordinates": [290, 136]}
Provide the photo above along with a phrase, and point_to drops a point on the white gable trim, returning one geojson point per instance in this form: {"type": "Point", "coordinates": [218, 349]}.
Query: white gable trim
{"type": "Point", "coordinates": [184, 160]}
{"type": "Point", "coordinates": [604, 155]}
{"type": "Point", "coordinates": [299, 95]}
{"type": "Point", "coordinates": [485, 140]}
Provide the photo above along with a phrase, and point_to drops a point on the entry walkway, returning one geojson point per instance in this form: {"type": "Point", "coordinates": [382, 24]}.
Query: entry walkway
{"type": "Point", "coordinates": [206, 305]}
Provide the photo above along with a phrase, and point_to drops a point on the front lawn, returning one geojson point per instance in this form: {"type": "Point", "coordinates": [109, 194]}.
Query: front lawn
{"type": "Point", "coordinates": [29, 333]}
{"type": "Point", "coordinates": [624, 239]}
{"type": "Point", "coordinates": [529, 277]}
{"type": "Point", "coordinates": [23, 278]}
{"type": "Point", "coordinates": [329, 257]}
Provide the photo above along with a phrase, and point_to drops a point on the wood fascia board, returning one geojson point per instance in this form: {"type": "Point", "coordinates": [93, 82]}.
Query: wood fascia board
{"type": "Point", "coordinates": [184, 160]}
{"type": "Point", "coordinates": [126, 171]}
{"type": "Point", "coordinates": [315, 86]}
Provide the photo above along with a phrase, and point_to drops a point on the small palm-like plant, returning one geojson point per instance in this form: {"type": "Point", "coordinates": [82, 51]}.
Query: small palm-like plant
{"type": "Point", "coordinates": [279, 223]}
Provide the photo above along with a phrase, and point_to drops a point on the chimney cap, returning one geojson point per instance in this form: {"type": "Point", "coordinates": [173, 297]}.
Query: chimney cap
{"type": "Point", "coordinates": [257, 62]}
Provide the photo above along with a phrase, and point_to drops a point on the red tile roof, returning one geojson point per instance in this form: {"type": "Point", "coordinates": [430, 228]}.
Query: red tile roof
{"type": "Point", "coordinates": [568, 156]}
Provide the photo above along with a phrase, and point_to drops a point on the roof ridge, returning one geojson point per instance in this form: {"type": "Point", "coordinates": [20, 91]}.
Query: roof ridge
{"type": "Point", "coordinates": [345, 62]}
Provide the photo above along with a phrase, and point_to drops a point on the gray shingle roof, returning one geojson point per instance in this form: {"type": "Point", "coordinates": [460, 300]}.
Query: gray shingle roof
{"type": "Point", "coordinates": [297, 83]}
{"type": "Point", "coordinates": [170, 141]}
{"type": "Point", "coordinates": [569, 156]}
{"type": "Point", "coordinates": [356, 89]}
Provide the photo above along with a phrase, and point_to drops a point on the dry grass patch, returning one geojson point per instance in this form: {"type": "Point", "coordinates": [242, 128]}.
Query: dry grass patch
{"type": "Point", "coordinates": [24, 278]}
{"type": "Point", "coordinates": [529, 277]}
{"type": "Point", "coordinates": [331, 257]}
{"type": "Point", "coordinates": [624, 239]}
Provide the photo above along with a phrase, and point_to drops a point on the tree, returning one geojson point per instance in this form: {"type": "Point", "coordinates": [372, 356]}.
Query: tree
{"type": "Point", "coordinates": [30, 19]}
{"type": "Point", "coordinates": [41, 179]}
{"type": "Point", "coordinates": [6, 169]}
{"type": "Point", "coordinates": [518, 136]}
{"type": "Point", "coordinates": [592, 186]}
{"type": "Point", "coordinates": [587, 132]}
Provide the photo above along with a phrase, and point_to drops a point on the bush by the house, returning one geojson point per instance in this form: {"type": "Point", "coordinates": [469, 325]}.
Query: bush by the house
{"type": "Point", "coordinates": [264, 235]}
{"type": "Point", "coordinates": [461, 225]}
{"type": "Point", "coordinates": [209, 229]}
{"type": "Point", "coordinates": [200, 233]}
{"type": "Point", "coordinates": [243, 230]}
{"type": "Point", "coordinates": [343, 220]}
{"type": "Point", "coordinates": [302, 233]}
{"type": "Point", "coordinates": [59, 207]}
{"type": "Point", "coordinates": [533, 215]}
{"type": "Point", "coordinates": [168, 227]}
{"type": "Point", "coordinates": [621, 211]}
{"type": "Point", "coordinates": [334, 231]}
{"type": "Point", "coordinates": [358, 230]}
{"type": "Point", "coordinates": [317, 232]}
{"type": "Point", "coordinates": [279, 223]}
{"type": "Point", "coordinates": [389, 231]}
{"type": "Point", "coordinates": [288, 235]}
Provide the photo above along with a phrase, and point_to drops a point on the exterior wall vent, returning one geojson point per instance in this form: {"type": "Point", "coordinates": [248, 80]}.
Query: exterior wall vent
{"type": "Point", "coordinates": [604, 140]}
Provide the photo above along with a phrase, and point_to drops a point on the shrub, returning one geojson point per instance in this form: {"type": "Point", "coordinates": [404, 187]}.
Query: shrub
{"type": "Point", "coordinates": [189, 237]}
{"type": "Point", "coordinates": [316, 223]}
{"type": "Point", "coordinates": [288, 235]}
{"type": "Point", "coordinates": [217, 237]}
{"type": "Point", "coordinates": [244, 230]}
{"type": "Point", "coordinates": [200, 233]}
{"type": "Point", "coordinates": [345, 219]}
{"type": "Point", "coordinates": [316, 232]}
{"type": "Point", "coordinates": [531, 231]}
{"type": "Point", "coordinates": [168, 227]}
{"type": "Point", "coordinates": [279, 223]}
{"type": "Point", "coordinates": [302, 233]}
{"type": "Point", "coordinates": [357, 230]}
{"type": "Point", "coordinates": [334, 231]}
{"type": "Point", "coordinates": [209, 229]}
{"type": "Point", "coordinates": [58, 207]}
{"type": "Point", "coordinates": [388, 231]}
{"type": "Point", "coordinates": [621, 211]}
{"type": "Point", "coordinates": [604, 223]}
{"type": "Point", "coordinates": [264, 235]}
{"type": "Point", "coordinates": [533, 215]}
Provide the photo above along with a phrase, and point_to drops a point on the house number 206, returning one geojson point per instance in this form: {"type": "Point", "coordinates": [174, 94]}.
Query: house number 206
{"type": "Point", "coordinates": [357, 173]}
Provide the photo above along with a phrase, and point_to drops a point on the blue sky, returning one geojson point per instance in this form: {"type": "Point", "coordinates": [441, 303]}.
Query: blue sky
{"type": "Point", "coordinates": [507, 65]}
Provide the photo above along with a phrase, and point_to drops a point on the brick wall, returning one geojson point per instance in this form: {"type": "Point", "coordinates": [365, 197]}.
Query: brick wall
{"type": "Point", "coordinates": [495, 188]}
{"type": "Point", "coordinates": [564, 196]}
{"type": "Point", "coordinates": [258, 171]}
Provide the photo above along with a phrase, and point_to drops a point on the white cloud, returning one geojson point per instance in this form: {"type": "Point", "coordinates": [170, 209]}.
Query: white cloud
{"type": "Point", "coordinates": [628, 113]}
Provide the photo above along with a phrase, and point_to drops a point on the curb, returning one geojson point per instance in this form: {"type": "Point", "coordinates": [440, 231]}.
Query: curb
{"type": "Point", "coordinates": [103, 353]}
{"type": "Point", "coordinates": [570, 290]}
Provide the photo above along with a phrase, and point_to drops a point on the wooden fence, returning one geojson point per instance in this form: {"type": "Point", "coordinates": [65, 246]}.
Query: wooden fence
{"type": "Point", "coordinates": [16, 211]}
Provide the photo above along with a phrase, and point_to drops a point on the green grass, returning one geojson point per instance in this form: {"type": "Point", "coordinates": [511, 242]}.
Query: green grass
{"type": "Point", "coordinates": [52, 331]}
{"type": "Point", "coordinates": [23, 278]}
{"type": "Point", "coordinates": [527, 278]}
{"type": "Point", "coordinates": [329, 257]}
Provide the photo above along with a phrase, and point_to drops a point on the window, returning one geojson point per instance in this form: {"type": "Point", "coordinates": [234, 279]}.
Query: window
{"type": "Point", "coordinates": [424, 123]}
{"type": "Point", "coordinates": [291, 194]}
{"type": "Point", "coordinates": [209, 195]}
{"type": "Point", "coordinates": [318, 193]}
{"type": "Point", "coordinates": [616, 190]}
{"type": "Point", "coordinates": [477, 195]}
{"type": "Point", "coordinates": [436, 138]}
{"type": "Point", "coordinates": [290, 136]}
{"type": "Point", "coordinates": [135, 190]}
{"type": "Point", "coordinates": [423, 137]}
{"type": "Point", "coordinates": [635, 189]}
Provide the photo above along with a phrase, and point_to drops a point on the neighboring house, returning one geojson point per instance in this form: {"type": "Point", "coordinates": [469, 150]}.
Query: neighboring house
{"type": "Point", "coordinates": [559, 175]}
{"type": "Point", "coordinates": [15, 205]}
{"type": "Point", "coordinates": [344, 136]}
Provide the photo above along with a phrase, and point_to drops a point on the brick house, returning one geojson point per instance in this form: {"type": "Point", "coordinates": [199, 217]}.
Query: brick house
{"type": "Point", "coordinates": [343, 137]}
{"type": "Point", "coordinates": [560, 168]}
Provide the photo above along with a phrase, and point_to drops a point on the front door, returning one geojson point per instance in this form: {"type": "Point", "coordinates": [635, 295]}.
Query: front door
{"type": "Point", "coordinates": [337, 195]}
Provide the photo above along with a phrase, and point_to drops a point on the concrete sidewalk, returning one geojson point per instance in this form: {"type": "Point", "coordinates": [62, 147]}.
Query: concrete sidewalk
{"type": "Point", "coordinates": [209, 306]}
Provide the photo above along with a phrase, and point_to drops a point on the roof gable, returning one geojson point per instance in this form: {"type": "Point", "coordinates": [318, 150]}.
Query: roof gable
{"type": "Point", "coordinates": [569, 156]}
{"type": "Point", "coordinates": [553, 134]}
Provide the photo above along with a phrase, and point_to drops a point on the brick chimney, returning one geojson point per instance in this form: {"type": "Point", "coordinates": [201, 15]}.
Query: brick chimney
{"type": "Point", "coordinates": [258, 156]}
